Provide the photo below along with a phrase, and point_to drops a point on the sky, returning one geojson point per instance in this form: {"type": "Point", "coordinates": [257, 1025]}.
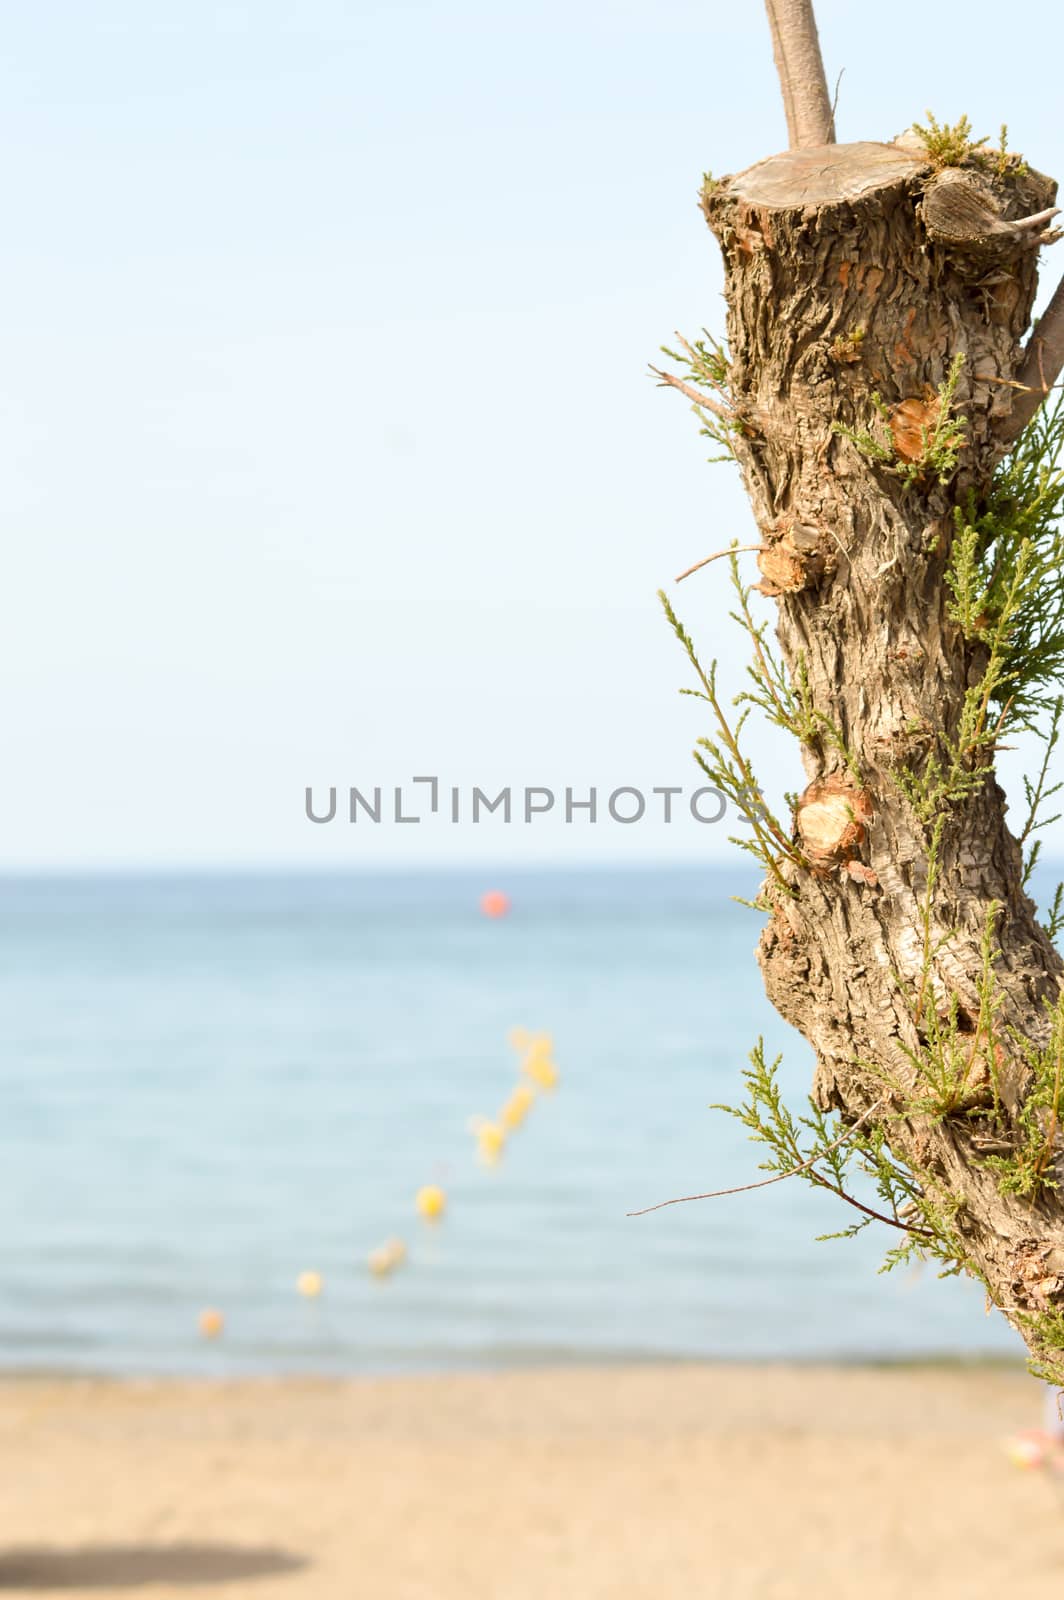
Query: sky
{"type": "Point", "coordinates": [332, 456]}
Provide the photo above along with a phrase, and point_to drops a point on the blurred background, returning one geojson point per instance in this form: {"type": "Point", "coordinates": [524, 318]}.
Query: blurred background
{"type": "Point", "coordinates": [333, 460]}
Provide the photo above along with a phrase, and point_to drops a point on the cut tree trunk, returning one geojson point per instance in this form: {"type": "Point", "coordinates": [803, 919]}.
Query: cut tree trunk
{"type": "Point", "coordinates": [819, 244]}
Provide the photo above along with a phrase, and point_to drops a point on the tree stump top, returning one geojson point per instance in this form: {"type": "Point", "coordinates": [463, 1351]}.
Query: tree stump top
{"type": "Point", "coordinates": [825, 174]}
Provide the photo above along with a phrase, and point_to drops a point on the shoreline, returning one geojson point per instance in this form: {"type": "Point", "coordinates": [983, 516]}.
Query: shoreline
{"type": "Point", "coordinates": [653, 1482]}
{"type": "Point", "coordinates": [567, 1363]}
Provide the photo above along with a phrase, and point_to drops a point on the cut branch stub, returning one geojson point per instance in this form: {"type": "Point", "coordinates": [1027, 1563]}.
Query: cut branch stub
{"type": "Point", "coordinates": [961, 209]}
{"type": "Point", "coordinates": [791, 557]}
{"type": "Point", "coordinates": [911, 421]}
{"type": "Point", "coordinates": [832, 819]}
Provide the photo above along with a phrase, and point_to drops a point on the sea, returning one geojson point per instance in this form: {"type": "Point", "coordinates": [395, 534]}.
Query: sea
{"type": "Point", "coordinates": [212, 1084]}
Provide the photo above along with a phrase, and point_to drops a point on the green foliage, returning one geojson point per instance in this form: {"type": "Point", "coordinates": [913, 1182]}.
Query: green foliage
{"type": "Point", "coordinates": [948, 144]}
{"type": "Point", "coordinates": [934, 1236]}
{"type": "Point", "coordinates": [706, 360]}
{"type": "Point", "coordinates": [825, 1153]}
{"type": "Point", "coordinates": [943, 441]}
{"type": "Point", "coordinates": [846, 347]}
{"type": "Point", "coordinates": [722, 760]}
{"type": "Point", "coordinates": [1005, 576]}
{"type": "Point", "coordinates": [1046, 1329]}
{"type": "Point", "coordinates": [786, 703]}
{"type": "Point", "coordinates": [1006, 570]}
{"type": "Point", "coordinates": [706, 364]}
{"type": "Point", "coordinates": [1002, 161]}
{"type": "Point", "coordinates": [958, 764]}
{"type": "Point", "coordinates": [956, 1063]}
{"type": "Point", "coordinates": [789, 705]}
{"type": "Point", "coordinates": [946, 776]}
{"type": "Point", "coordinates": [957, 1057]}
{"type": "Point", "coordinates": [940, 443]}
{"type": "Point", "coordinates": [871, 445]}
{"type": "Point", "coordinates": [956, 1050]}
{"type": "Point", "coordinates": [770, 1123]}
{"type": "Point", "coordinates": [1055, 920]}
{"type": "Point", "coordinates": [1038, 795]}
{"type": "Point", "coordinates": [1031, 1167]}
{"type": "Point", "coordinates": [953, 146]}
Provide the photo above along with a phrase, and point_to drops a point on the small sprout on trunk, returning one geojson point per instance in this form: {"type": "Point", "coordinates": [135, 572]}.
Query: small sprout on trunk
{"type": "Point", "coordinates": [709, 187]}
{"type": "Point", "coordinates": [1003, 161]}
{"type": "Point", "coordinates": [948, 144]}
{"type": "Point", "coordinates": [706, 361]}
{"type": "Point", "coordinates": [1034, 1164]}
{"type": "Point", "coordinates": [1047, 1331]}
{"type": "Point", "coordinates": [728, 769]}
{"type": "Point", "coordinates": [846, 347]}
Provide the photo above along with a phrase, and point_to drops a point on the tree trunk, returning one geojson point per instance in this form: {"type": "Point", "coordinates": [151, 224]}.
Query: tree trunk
{"type": "Point", "coordinates": [854, 270]}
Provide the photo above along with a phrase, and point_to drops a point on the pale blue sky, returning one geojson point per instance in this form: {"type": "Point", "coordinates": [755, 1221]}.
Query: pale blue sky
{"type": "Point", "coordinates": [331, 457]}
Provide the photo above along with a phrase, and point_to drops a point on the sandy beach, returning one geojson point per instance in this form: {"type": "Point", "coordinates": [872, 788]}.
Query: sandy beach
{"type": "Point", "coordinates": [607, 1484]}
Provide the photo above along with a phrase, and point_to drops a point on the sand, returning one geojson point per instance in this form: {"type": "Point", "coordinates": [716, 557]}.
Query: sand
{"type": "Point", "coordinates": [670, 1483]}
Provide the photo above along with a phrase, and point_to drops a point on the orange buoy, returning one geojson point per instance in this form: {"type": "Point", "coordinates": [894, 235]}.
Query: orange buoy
{"type": "Point", "coordinates": [211, 1323]}
{"type": "Point", "coordinates": [309, 1284]}
{"type": "Point", "coordinates": [494, 903]}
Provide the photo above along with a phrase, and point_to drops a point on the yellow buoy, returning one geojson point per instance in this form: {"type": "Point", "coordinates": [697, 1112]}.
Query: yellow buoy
{"type": "Point", "coordinates": [518, 1106]}
{"type": "Point", "coordinates": [309, 1284]}
{"type": "Point", "coordinates": [490, 1141]}
{"type": "Point", "coordinates": [431, 1202]}
{"type": "Point", "coordinates": [211, 1323]}
{"type": "Point", "coordinates": [542, 1070]}
{"type": "Point", "coordinates": [386, 1257]}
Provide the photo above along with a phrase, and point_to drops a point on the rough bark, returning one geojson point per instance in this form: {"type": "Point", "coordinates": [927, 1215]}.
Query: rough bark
{"type": "Point", "coordinates": [817, 243]}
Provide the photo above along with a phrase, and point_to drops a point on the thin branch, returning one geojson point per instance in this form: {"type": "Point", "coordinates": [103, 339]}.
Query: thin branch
{"type": "Point", "coordinates": [769, 830]}
{"type": "Point", "coordinates": [858, 1205]}
{"type": "Point", "coordinates": [1042, 363]}
{"type": "Point", "coordinates": [668, 380]}
{"type": "Point", "coordinates": [778, 1178]}
{"type": "Point", "coordinates": [796, 49]}
{"type": "Point", "coordinates": [835, 96]}
{"type": "Point", "coordinates": [1036, 795]}
{"type": "Point", "coordinates": [1006, 383]}
{"type": "Point", "coordinates": [745, 1188]}
{"type": "Point", "coordinates": [732, 550]}
{"type": "Point", "coordinates": [1035, 220]}
{"type": "Point", "coordinates": [870, 1211]}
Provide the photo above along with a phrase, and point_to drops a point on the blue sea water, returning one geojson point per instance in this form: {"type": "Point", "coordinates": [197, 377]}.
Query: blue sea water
{"type": "Point", "coordinates": [210, 1084]}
